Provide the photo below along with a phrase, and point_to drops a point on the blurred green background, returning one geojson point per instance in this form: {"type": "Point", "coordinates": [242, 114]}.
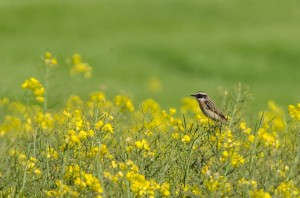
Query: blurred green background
{"type": "Point", "coordinates": [162, 49]}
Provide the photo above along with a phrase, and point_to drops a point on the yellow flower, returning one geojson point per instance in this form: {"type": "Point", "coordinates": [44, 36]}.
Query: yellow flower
{"type": "Point", "coordinates": [165, 189]}
{"type": "Point", "coordinates": [80, 183]}
{"type": "Point", "coordinates": [216, 182]}
{"type": "Point", "coordinates": [287, 189]}
{"type": "Point", "coordinates": [61, 190]}
{"type": "Point", "coordinates": [212, 184]}
{"type": "Point", "coordinates": [10, 123]}
{"type": "Point", "coordinates": [129, 148]}
{"type": "Point", "coordinates": [93, 182]}
{"type": "Point", "coordinates": [73, 102]}
{"type": "Point", "coordinates": [206, 171]}
{"type": "Point", "coordinates": [124, 102]}
{"type": "Point", "coordinates": [82, 135]}
{"type": "Point", "coordinates": [94, 151]}
{"type": "Point", "coordinates": [51, 153]}
{"type": "Point", "coordinates": [37, 171]}
{"type": "Point", "coordinates": [175, 135]}
{"type": "Point", "coordinates": [40, 99]}
{"type": "Point", "coordinates": [22, 157]}
{"type": "Point", "coordinates": [244, 128]}
{"type": "Point", "coordinates": [49, 60]}
{"type": "Point", "coordinates": [114, 164]}
{"type": "Point", "coordinates": [251, 138]}
{"type": "Point", "coordinates": [72, 138]}
{"type": "Point", "coordinates": [122, 165]}
{"type": "Point", "coordinates": [270, 139]}
{"type": "Point", "coordinates": [186, 139]}
{"type": "Point", "coordinates": [36, 87]}
{"type": "Point", "coordinates": [97, 97]}
{"type": "Point", "coordinates": [107, 174]}
{"type": "Point", "coordinates": [237, 159]}
{"type": "Point", "coordinates": [259, 194]}
{"type": "Point", "coordinates": [108, 128]}
{"type": "Point", "coordinates": [142, 144]}
{"type": "Point", "coordinates": [4, 101]}
{"type": "Point", "coordinates": [225, 154]}
{"type": "Point", "coordinates": [172, 111]}
{"type": "Point", "coordinates": [46, 120]}
{"type": "Point", "coordinates": [242, 125]}
{"type": "Point", "coordinates": [189, 105]}
{"type": "Point", "coordinates": [274, 117]}
{"type": "Point", "coordinates": [99, 124]}
{"type": "Point", "coordinates": [80, 67]}
{"type": "Point", "coordinates": [294, 111]}
{"type": "Point", "coordinates": [76, 59]}
{"type": "Point", "coordinates": [140, 185]}
{"type": "Point", "coordinates": [150, 106]}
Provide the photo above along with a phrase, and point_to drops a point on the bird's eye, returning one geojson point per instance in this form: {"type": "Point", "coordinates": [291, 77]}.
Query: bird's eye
{"type": "Point", "coordinates": [201, 96]}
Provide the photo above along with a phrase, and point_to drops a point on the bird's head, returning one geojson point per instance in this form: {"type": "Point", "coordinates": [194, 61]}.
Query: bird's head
{"type": "Point", "coordinates": [200, 95]}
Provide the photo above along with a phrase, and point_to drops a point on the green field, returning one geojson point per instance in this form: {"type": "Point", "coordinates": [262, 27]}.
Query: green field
{"type": "Point", "coordinates": [63, 135]}
{"type": "Point", "coordinates": [188, 45]}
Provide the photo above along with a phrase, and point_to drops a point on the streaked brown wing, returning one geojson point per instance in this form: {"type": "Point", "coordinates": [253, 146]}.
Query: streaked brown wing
{"type": "Point", "coordinates": [211, 106]}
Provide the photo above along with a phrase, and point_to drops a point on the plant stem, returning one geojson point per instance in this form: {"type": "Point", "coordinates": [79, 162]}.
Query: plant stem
{"type": "Point", "coordinates": [46, 87]}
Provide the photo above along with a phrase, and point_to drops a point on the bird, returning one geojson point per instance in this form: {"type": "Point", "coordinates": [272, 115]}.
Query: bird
{"type": "Point", "coordinates": [208, 107]}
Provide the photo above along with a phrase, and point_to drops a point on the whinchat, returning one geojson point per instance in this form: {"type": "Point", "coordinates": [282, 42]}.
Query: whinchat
{"type": "Point", "coordinates": [208, 108]}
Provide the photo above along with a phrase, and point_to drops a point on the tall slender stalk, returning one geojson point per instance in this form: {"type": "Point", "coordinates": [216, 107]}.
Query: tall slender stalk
{"type": "Point", "coordinates": [237, 102]}
{"type": "Point", "coordinates": [46, 86]}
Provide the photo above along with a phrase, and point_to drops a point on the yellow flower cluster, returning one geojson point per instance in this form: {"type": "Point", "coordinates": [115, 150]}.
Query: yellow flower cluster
{"type": "Point", "coordinates": [52, 154]}
{"type": "Point", "coordinates": [189, 105]}
{"type": "Point", "coordinates": [72, 103]}
{"type": "Point", "coordinates": [186, 138]}
{"type": "Point", "coordinates": [247, 131]}
{"type": "Point", "coordinates": [106, 128]}
{"type": "Point", "coordinates": [248, 183]}
{"type": "Point", "coordinates": [61, 190]}
{"type": "Point", "coordinates": [260, 194]}
{"type": "Point", "coordinates": [116, 174]}
{"type": "Point", "coordinates": [273, 117]}
{"type": "Point", "coordinates": [294, 111]}
{"type": "Point", "coordinates": [287, 189]}
{"type": "Point", "coordinates": [49, 60]}
{"type": "Point", "coordinates": [165, 189]}
{"type": "Point", "coordinates": [72, 138]}
{"type": "Point", "coordinates": [36, 87]}
{"type": "Point", "coordinates": [124, 103]}
{"type": "Point", "coordinates": [218, 183]}
{"type": "Point", "coordinates": [269, 139]}
{"type": "Point", "coordinates": [142, 144]}
{"type": "Point", "coordinates": [144, 147]}
{"type": "Point", "coordinates": [29, 164]}
{"type": "Point", "coordinates": [100, 151]}
{"type": "Point", "coordinates": [80, 67]}
{"type": "Point", "coordinates": [45, 120]}
{"type": "Point", "coordinates": [9, 123]}
{"type": "Point", "coordinates": [230, 146]}
{"type": "Point", "coordinates": [188, 189]}
{"type": "Point", "coordinates": [97, 99]}
{"type": "Point", "coordinates": [76, 181]}
{"type": "Point", "coordinates": [140, 185]}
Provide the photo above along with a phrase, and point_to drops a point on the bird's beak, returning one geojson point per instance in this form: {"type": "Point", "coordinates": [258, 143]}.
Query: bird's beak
{"type": "Point", "coordinates": [193, 95]}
